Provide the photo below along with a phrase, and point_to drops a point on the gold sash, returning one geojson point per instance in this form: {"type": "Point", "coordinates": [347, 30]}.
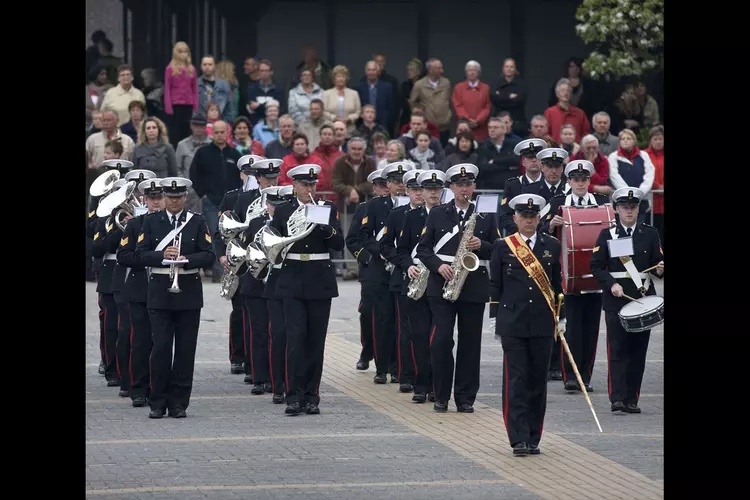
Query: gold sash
{"type": "Point", "coordinates": [529, 262]}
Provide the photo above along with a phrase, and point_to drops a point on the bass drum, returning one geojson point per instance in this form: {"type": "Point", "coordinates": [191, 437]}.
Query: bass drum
{"type": "Point", "coordinates": [578, 237]}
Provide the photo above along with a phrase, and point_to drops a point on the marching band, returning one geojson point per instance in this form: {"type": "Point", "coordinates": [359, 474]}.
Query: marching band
{"type": "Point", "coordinates": [431, 255]}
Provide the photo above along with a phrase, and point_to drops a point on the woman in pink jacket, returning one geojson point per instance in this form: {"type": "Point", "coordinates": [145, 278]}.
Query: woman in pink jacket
{"type": "Point", "coordinates": [180, 93]}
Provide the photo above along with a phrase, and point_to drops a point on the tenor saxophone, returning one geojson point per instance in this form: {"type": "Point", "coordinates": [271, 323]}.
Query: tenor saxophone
{"type": "Point", "coordinates": [463, 263]}
{"type": "Point", "coordinates": [418, 285]}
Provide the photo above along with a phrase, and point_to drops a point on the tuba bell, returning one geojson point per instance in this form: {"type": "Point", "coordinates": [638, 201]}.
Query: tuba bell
{"type": "Point", "coordinates": [123, 199]}
{"type": "Point", "coordinates": [229, 225]}
{"type": "Point", "coordinates": [231, 279]}
{"type": "Point", "coordinates": [104, 183]}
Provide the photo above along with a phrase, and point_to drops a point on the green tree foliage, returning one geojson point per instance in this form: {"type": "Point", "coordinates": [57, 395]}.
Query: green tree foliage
{"type": "Point", "coordinates": [627, 36]}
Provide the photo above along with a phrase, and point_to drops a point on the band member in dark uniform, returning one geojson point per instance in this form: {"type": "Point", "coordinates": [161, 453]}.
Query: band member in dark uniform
{"type": "Point", "coordinates": [106, 239]}
{"type": "Point", "coordinates": [418, 311]}
{"type": "Point", "coordinates": [582, 310]}
{"type": "Point", "coordinates": [119, 275]}
{"type": "Point", "coordinates": [372, 231]}
{"type": "Point", "coordinates": [626, 351]}
{"type": "Point", "coordinates": [554, 183]}
{"type": "Point", "coordinates": [255, 308]}
{"type": "Point", "coordinates": [437, 248]}
{"type": "Point", "coordinates": [123, 166]}
{"type": "Point", "coordinates": [135, 288]}
{"type": "Point", "coordinates": [356, 247]}
{"type": "Point", "coordinates": [230, 202]}
{"type": "Point", "coordinates": [306, 283]}
{"type": "Point", "coordinates": [406, 365]}
{"type": "Point", "coordinates": [526, 278]}
{"type": "Point", "coordinates": [529, 182]}
{"type": "Point", "coordinates": [174, 234]}
{"type": "Point", "coordinates": [277, 342]}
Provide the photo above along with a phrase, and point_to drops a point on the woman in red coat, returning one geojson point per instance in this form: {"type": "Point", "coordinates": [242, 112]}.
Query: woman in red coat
{"type": "Point", "coordinates": [655, 151]}
{"type": "Point", "coordinates": [326, 155]}
{"type": "Point", "coordinates": [299, 156]}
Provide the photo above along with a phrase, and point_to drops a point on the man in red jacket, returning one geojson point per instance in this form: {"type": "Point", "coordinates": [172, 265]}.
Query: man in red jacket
{"type": "Point", "coordinates": [471, 100]}
{"type": "Point", "coordinates": [564, 113]}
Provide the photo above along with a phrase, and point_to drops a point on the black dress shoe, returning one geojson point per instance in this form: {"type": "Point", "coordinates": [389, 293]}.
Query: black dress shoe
{"type": "Point", "coordinates": [588, 388]}
{"type": "Point", "coordinates": [571, 385]}
{"type": "Point", "coordinates": [380, 378]}
{"type": "Point", "coordinates": [278, 398]}
{"type": "Point", "coordinates": [394, 379]}
{"type": "Point", "coordinates": [177, 412]}
{"type": "Point", "coordinates": [520, 450]}
{"type": "Point", "coordinates": [102, 368]}
{"type": "Point", "coordinates": [248, 379]}
{"type": "Point", "coordinates": [619, 406]}
{"type": "Point", "coordinates": [268, 387]}
{"type": "Point", "coordinates": [405, 388]}
{"type": "Point", "coordinates": [124, 393]}
{"type": "Point", "coordinates": [363, 365]}
{"type": "Point", "coordinates": [139, 402]}
{"type": "Point", "coordinates": [441, 406]}
{"type": "Point", "coordinates": [632, 408]}
{"type": "Point", "coordinates": [293, 409]}
{"type": "Point", "coordinates": [534, 449]}
{"type": "Point", "coordinates": [431, 397]}
{"type": "Point", "coordinates": [419, 397]}
{"type": "Point", "coordinates": [312, 409]}
{"type": "Point", "coordinates": [113, 382]}
{"type": "Point", "coordinates": [236, 369]}
{"type": "Point", "coordinates": [258, 389]}
{"type": "Point", "coordinates": [156, 413]}
{"type": "Point", "coordinates": [555, 374]}
{"type": "Point", "coordinates": [465, 408]}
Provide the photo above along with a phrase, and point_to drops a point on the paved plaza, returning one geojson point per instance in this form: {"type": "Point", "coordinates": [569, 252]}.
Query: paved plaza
{"type": "Point", "coordinates": [370, 442]}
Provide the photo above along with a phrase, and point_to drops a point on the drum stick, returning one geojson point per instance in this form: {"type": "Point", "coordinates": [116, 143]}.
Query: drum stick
{"type": "Point", "coordinates": [631, 298]}
{"type": "Point", "coordinates": [650, 268]}
{"type": "Point", "coordinates": [578, 375]}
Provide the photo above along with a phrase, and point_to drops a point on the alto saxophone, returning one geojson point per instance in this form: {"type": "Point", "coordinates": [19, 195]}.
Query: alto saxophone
{"type": "Point", "coordinates": [463, 263]}
{"type": "Point", "coordinates": [418, 286]}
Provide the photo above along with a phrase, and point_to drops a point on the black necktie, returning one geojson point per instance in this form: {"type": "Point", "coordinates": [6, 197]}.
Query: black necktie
{"type": "Point", "coordinates": [528, 243]}
{"type": "Point", "coordinates": [552, 190]}
{"type": "Point", "coordinates": [630, 231]}
{"type": "Point", "coordinates": [580, 201]}
{"type": "Point", "coordinates": [461, 214]}
{"type": "Point", "coordinates": [174, 220]}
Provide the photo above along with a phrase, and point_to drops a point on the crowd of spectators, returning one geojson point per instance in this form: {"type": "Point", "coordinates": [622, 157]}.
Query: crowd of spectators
{"type": "Point", "coordinates": [350, 126]}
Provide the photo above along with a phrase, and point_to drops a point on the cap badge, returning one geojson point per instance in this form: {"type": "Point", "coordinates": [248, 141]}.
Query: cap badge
{"type": "Point", "coordinates": [531, 147]}
{"type": "Point", "coordinates": [174, 184]}
{"type": "Point", "coordinates": [531, 202]}
{"type": "Point", "coordinates": [153, 185]}
{"type": "Point", "coordinates": [400, 168]}
{"type": "Point", "coordinates": [312, 172]}
{"type": "Point", "coordinates": [463, 170]}
{"type": "Point", "coordinates": [434, 177]}
{"type": "Point", "coordinates": [250, 161]}
{"type": "Point", "coordinates": [141, 177]}
{"type": "Point", "coordinates": [580, 166]}
{"type": "Point", "coordinates": [119, 164]}
{"type": "Point", "coordinates": [630, 194]}
{"type": "Point", "coordinates": [554, 155]}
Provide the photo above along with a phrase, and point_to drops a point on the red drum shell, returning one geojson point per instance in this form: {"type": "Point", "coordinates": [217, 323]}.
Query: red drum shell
{"type": "Point", "coordinates": [578, 238]}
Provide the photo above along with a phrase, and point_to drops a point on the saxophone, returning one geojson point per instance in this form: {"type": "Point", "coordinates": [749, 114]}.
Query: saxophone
{"type": "Point", "coordinates": [463, 263]}
{"type": "Point", "coordinates": [418, 286]}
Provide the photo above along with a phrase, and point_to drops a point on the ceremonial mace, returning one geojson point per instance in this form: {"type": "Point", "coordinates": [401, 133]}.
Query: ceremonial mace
{"type": "Point", "coordinates": [561, 297]}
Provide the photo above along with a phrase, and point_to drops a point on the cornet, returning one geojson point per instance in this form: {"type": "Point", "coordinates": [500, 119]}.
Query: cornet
{"type": "Point", "coordinates": [173, 270]}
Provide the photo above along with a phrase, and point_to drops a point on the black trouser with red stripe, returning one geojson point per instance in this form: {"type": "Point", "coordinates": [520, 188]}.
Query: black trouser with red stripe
{"type": "Point", "coordinates": [420, 325]}
{"type": "Point", "coordinates": [583, 312]}
{"type": "Point", "coordinates": [365, 326]}
{"type": "Point", "coordinates": [306, 329]}
{"type": "Point", "coordinates": [406, 368]}
{"type": "Point", "coordinates": [123, 340]}
{"type": "Point", "coordinates": [277, 345]}
{"type": "Point", "coordinates": [236, 331]}
{"type": "Point", "coordinates": [102, 343]}
{"type": "Point", "coordinates": [468, 353]}
{"type": "Point", "coordinates": [525, 371]}
{"type": "Point", "coordinates": [381, 319]}
{"type": "Point", "coordinates": [109, 308]}
{"type": "Point", "coordinates": [140, 350]}
{"type": "Point", "coordinates": [255, 321]}
{"type": "Point", "coordinates": [626, 360]}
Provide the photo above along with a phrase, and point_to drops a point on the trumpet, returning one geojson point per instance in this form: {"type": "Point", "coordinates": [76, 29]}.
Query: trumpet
{"type": "Point", "coordinates": [173, 271]}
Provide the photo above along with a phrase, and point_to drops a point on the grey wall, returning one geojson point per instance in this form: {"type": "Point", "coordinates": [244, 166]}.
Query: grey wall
{"type": "Point", "coordinates": [105, 15]}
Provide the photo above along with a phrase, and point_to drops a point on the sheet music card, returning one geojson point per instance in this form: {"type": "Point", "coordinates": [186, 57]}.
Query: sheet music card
{"type": "Point", "coordinates": [487, 203]}
{"type": "Point", "coordinates": [621, 247]}
{"type": "Point", "coordinates": [402, 200]}
{"type": "Point", "coordinates": [318, 214]}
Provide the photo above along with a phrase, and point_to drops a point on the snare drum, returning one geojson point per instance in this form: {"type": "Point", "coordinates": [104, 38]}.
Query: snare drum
{"type": "Point", "coordinates": [642, 315]}
{"type": "Point", "coordinates": [580, 231]}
